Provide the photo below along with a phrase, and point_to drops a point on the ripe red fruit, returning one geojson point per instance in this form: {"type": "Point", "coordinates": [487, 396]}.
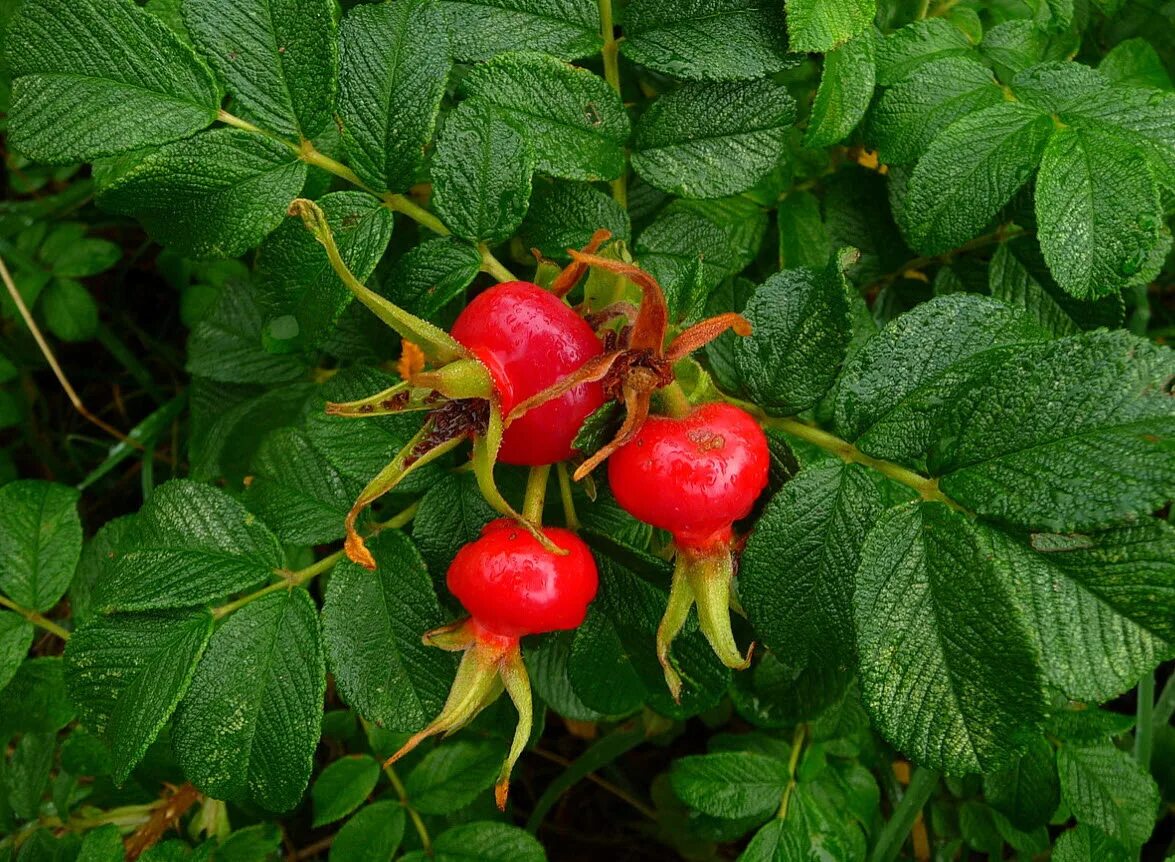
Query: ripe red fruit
{"type": "Point", "coordinates": [693, 476]}
{"type": "Point", "coordinates": [512, 586]}
{"type": "Point", "coordinates": [529, 339]}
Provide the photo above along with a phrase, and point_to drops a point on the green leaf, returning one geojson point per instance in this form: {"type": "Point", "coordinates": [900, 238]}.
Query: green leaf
{"type": "Point", "coordinates": [846, 88]}
{"type": "Point", "coordinates": [547, 662]}
{"type": "Point", "coordinates": [1105, 787]}
{"type": "Point", "coordinates": [27, 775]}
{"type": "Point", "coordinates": [482, 841]}
{"type": "Point", "coordinates": [394, 62]}
{"type": "Point", "coordinates": [278, 58]}
{"type": "Point", "coordinates": [713, 139]}
{"type": "Point", "coordinates": [228, 343]}
{"type": "Point", "coordinates": [99, 77]}
{"type": "Point", "coordinates": [1057, 87]}
{"type": "Point", "coordinates": [481, 174]}
{"type": "Point", "coordinates": [1018, 276]}
{"type": "Point", "coordinates": [564, 215]}
{"type": "Point", "coordinates": [190, 544]}
{"type": "Point", "coordinates": [372, 623]}
{"type": "Point", "coordinates": [803, 239]}
{"type": "Point", "coordinates": [253, 733]}
{"type": "Point", "coordinates": [937, 626]}
{"type": "Point", "coordinates": [796, 575]}
{"type": "Point", "coordinates": [342, 787]}
{"type": "Point", "coordinates": [452, 776]}
{"type": "Point", "coordinates": [1135, 63]}
{"type": "Point", "coordinates": [969, 172]}
{"type": "Point", "coordinates": [1101, 223]}
{"type": "Point", "coordinates": [914, 111]}
{"type": "Point", "coordinates": [259, 843]}
{"type": "Point", "coordinates": [216, 194]}
{"type": "Point", "coordinates": [706, 40]}
{"type": "Point", "coordinates": [40, 541]}
{"type": "Point", "coordinates": [128, 672]}
{"type": "Point", "coordinates": [71, 254]}
{"type": "Point", "coordinates": [1015, 45]}
{"type": "Point", "coordinates": [895, 389]}
{"type": "Point", "coordinates": [901, 52]}
{"type": "Point", "coordinates": [1084, 843]}
{"type": "Point", "coordinates": [815, 828]}
{"type": "Point", "coordinates": [730, 784]}
{"type": "Point", "coordinates": [431, 275]}
{"type": "Point", "coordinates": [1101, 604]}
{"type": "Point", "coordinates": [574, 121]}
{"type": "Point", "coordinates": [568, 29]}
{"type": "Point", "coordinates": [16, 635]}
{"type": "Point", "coordinates": [103, 844]}
{"type": "Point", "coordinates": [34, 700]}
{"type": "Point", "coordinates": [70, 311]}
{"type": "Point", "coordinates": [689, 252]}
{"type": "Point", "coordinates": [822, 25]}
{"type": "Point", "coordinates": [372, 835]}
{"type": "Point", "coordinates": [298, 280]}
{"type": "Point", "coordinates": [1066, 435]}
{"type": "Point", "coordinates": [296, 492]}
{"type": "Point", "coordinates": [1027, 791]}
{"type": "Point", "coordinates": [1145, 118]}
{"type": "Point", "coordinates": [799, 334]}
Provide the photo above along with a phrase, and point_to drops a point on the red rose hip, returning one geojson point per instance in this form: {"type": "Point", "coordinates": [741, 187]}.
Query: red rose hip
{"type": "Point", "coordinates": [529, 339]}
{"type": "Point", "coordinates": [693, 476]}
{"type": "Point", "coordinates": [512, 586]}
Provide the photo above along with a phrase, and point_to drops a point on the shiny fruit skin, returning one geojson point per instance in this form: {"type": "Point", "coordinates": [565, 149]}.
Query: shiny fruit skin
{"type": "Point", "coordinates": [693, 476]}
{"type": "Point", "coordinates": [530, 339]}
{"type": "Point", "coordinates": [512, 586]}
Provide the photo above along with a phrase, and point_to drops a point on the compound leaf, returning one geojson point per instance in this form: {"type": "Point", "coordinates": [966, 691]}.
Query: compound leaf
{"type": "Point", "coordinates": [40, 541]}
{"type": "Point", "coordinates": [251, 720]}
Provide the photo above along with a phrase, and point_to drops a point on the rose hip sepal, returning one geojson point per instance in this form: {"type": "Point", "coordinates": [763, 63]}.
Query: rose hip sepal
{"type": "Point", "coordinates": [511, 586]}
{"type": "Point", "coordinates": [640, 363]}
{"type": "Point", "coordinates": [694, 476]}
{"type": "Point", "coordinates": [513, 341]}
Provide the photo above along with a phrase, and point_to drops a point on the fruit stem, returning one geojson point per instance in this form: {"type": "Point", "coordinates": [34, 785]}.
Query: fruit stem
{"type": "Point", "coordinates": [536, 493]}
{"type": "Point", "coordinates": [36, 618]}
{"type": "Point", "coordinates": [570, 517]}
{"type": "Point", "coordinates": [797, 745]}
{"type": "Point", "coordinates": [676, 401]}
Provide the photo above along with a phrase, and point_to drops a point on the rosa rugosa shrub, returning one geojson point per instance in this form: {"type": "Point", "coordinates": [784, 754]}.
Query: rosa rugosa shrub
{"type": "Point", "coordinates": [770, 398]}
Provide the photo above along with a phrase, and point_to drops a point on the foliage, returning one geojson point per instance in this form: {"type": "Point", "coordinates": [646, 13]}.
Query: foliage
{"type": "Point", "coordinates": [949, 225]}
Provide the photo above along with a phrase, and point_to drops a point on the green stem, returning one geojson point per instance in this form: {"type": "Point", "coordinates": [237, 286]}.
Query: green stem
{"type": "Point", "coordinates": [923, 10]}
{"type": "Point", "coordinates": [35, 618]}
{"type": "Point", "coordinates": [893, 836]}
{"type": "Point", "coordinates": [1165, 705]}
{"type": "Point", "coordinates": [536, 493]}
{"type": "Point", "coordinates": [599, 754]}
{"type": "Point", "coordinates": [797, 745]}
{"type": "Point", "coordinates": [290, 580]}
{"type": "Point", "coordinates": [308, 153]}
{"type": "Point", "coordinates": [569, 514]}
{"type": "Point", "coordinates": [611, 55]}
{"type": "Point", "coordinates": [413, 814]}
{"type": "Point", "coordinates": [926, 487]}
{"type": "Point", "coordinates": [1144, 728]}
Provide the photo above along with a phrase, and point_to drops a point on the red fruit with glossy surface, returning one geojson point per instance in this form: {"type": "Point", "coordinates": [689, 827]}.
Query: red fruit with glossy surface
{"type": "Point", "coordinates": [693, 476]}
{"type": "Point", "coordinates": [513, 586]}
{"type": "Point", "coordinates": [530, 339]}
